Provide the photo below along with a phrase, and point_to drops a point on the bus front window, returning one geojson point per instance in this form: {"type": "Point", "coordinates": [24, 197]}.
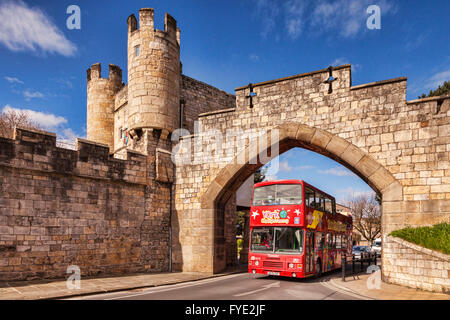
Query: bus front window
{"type": "Point", "coordinates": [262, 239]}
{"type": "Point", "coordinates": [289, 240]}
{"type": "Point", "coordinates": [277, 194]}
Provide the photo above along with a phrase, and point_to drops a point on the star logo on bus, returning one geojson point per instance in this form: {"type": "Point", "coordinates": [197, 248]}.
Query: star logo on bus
{"type": "Point", "coordinates": [297, 212]}
{"type": "Point", "coordinates": [255, 214]}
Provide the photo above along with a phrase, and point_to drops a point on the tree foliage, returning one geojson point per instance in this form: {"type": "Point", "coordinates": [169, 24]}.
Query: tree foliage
{"type": "Point", "coordinates": [260, 174]}
{"type": "Point", "coordinates": [440, 91]}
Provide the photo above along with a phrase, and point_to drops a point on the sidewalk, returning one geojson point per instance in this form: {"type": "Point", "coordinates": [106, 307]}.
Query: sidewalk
{"type": "Point", "coordinates": [357, 286]}
{"type": "Point", "coordinates": [52, 289]}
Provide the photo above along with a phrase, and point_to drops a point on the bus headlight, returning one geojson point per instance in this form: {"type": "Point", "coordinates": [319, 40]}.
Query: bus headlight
{"type": "Point", "coordinates": [291, 265]}
{"type": "Point", "coordinates": [256, 263]}
{"type": "Point", "coordinates": [294, 275]}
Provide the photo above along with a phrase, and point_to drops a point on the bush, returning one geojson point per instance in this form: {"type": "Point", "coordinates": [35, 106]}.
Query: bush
{"type": "Point", "coordinates": [436, 237]}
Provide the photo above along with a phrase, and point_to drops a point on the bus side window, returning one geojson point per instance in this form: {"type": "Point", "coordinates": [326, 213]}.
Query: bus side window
{"type": "Point", "coordinates": [319, 202]}
{"type": "Point", "coordinates": [329, 241]}
{"type": "Point", "coordinates": [320, 240]}
{"type": "Point", "coordinates": [328, 205]}
{"type": "Point", "coordinates": [309, 197]}
{"type": "Point", "coordinates": [344, 241]}
{"type": "Point", "coordinates": [333, 237]}
{"type": "Point", "coordinates": [338, 241]}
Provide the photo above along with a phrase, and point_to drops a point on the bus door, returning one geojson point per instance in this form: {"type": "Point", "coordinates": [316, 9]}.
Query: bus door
{"type": "Point", "coordinates": [309, 251]}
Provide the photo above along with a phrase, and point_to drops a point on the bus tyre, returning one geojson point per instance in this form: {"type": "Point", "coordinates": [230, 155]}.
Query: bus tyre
{"type": "Point", "coordinates": [318, 269]}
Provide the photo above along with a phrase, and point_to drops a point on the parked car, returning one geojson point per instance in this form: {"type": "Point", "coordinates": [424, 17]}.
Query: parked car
{"type": "Point", "coordinates": [376, 247]}
{"type": "Point", "coordinates": [359, 250]}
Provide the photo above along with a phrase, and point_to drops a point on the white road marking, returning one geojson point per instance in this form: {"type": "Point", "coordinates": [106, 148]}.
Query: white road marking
{"type": "Point", "coordinates": [172, 287]}
{"type": "Point", "coordinates": [265, 287]}
{"type": "Point", "coordinates": [342, 291]}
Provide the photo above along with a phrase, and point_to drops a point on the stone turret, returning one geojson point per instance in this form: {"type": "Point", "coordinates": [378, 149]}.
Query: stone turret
{"type": "Point", "coordinates": [100, 103]}
{"type": "Point", "coordinates": [154, 74]}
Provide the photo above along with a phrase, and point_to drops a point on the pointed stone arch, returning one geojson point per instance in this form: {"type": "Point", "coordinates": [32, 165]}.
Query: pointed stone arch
{"type": "Point", "coordinates": [292, 135]}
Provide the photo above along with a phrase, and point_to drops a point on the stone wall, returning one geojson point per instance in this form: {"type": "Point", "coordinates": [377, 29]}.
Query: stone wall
{"type": "Point", "coordinates": [400, 148]}
{"type": "Point", "coordinates": [62, 207]}
{"type": "Point", "coordinates": [413, 266]}
{"type": "Point", "coordinates": [199, 98]}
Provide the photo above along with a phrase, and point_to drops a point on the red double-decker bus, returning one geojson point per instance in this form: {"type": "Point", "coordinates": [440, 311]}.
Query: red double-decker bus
{"type": "Point", "coordinates": [295, 230]}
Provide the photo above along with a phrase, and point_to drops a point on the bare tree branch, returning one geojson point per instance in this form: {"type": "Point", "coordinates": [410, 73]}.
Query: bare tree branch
{"type": "Point", "coordinates": [366, 214]}
{"type": "Point", "coordinates": [10, 118]}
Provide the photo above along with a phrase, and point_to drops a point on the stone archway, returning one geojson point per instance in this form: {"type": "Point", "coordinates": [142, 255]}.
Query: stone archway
{"type": "Point", "coordinates": [292, 135]}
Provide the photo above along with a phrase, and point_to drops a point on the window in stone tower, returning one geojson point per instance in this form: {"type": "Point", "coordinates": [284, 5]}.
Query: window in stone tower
{"type": "Point", "coordinates": [137, 51]}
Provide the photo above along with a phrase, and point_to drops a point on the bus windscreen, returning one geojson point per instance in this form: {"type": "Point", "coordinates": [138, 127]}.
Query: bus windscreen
{"type": "Point", "coordinates": [277, 194]}
{"type": "Point", "coordinates": [287, 240]}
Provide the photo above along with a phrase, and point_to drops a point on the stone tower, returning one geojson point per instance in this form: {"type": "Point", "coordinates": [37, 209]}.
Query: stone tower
{"type": "Point", "coordinates": [100, 103]}
{"type": "Point", "coordinates": [154, 74]}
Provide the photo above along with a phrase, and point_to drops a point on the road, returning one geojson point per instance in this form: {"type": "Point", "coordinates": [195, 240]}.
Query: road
{"type": "Point", "coordinates": [242, 286]}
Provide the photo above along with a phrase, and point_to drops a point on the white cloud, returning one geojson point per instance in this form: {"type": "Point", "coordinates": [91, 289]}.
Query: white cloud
{"type": "Point", "coordinates": [285, 167]}
{"type": "Point", "coordinates": [349, 193]}
{"type": "Point", "coordinates": [345, 18]}
{"type": "Point", "coordinates": [13, 80]}
{"type": "Point", "coordinates": [32, 94]}
{"type": "Point", "coordinates": [341, 61]}
{"type": "Point", "coordinates": [47, 121]}
{"type": "Point", "coordinates": [437, 80]}
{"type": "Point", "coordinates": [340, 172]}
{"type": "Point", "coordinates": [305, 167]}
{"type": "Point", "coordinates": [50, 122]}
{"type": "Point", "coordinates": [267, 11]}
{"type": "Point", "coordinates": [254, 57]}
{"type": "Point", "coordinates": [29, 29]}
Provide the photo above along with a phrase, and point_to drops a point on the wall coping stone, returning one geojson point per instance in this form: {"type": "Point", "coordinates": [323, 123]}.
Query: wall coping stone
{"type": "Point", "coordinates": [302, 75]}
{"type": "Point", "coordinates": [428, 99]}
{"type": "Point", "coordinates": [434, 253]}
{"type": "Point", "coordinates": [378, 83]}
{"type": "Point", "coordinates": [210, 113]}
{"type": "Point", "coordinates": [92, 142]}
{"type": "Point", "coordinates": [33, 131]}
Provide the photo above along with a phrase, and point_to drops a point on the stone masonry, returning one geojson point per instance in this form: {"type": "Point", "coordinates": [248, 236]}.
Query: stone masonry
{"type": "Point", "coordinates": [140, 195]}
{"type": "Point", "coordinates": [400, 148]}
{"type": "Point", "coordinates": [417, 267]}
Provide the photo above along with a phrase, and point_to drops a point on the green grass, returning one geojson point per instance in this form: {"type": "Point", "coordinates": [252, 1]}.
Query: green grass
{"type": "Point", "coordinates": [436, 237]}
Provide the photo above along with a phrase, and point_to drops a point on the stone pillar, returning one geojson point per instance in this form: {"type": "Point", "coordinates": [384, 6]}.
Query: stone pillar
{"type": "Point", "coordinates": [243, 258]}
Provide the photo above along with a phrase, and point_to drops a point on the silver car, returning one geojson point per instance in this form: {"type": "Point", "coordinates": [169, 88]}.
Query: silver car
{"type": "Point", "coordinates": [359, 250]}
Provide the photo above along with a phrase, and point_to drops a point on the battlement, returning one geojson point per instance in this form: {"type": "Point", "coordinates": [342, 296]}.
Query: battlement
{"type": "Point", "coordinates": [147, 23]}
{"type": "Point", "coordinates": [36, 150]}
{"type": "Point", "coordinates": [95, 72]}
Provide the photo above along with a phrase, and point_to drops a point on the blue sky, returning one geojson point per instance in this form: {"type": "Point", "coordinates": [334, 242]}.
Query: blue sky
{"type": "Point", "coordinates": [224, 43]}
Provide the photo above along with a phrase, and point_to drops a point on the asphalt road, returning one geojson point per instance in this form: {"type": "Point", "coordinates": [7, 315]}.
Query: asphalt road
{"type": "Point", "coordinates": [242, 286]}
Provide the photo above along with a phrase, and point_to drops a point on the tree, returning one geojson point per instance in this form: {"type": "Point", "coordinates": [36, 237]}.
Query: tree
{"type": "Point", "coordinates": [11, 118]}
{"type": "Point", "coordinates": [440, 91]}
{"type": "Point", "coordinates": [366, 213]}
{"type": "Point", "coordinates": [260, 174]}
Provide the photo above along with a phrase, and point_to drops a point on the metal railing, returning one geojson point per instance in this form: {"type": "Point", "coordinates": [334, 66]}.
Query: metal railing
{"type": "Point", "coordinates": [366, 258]}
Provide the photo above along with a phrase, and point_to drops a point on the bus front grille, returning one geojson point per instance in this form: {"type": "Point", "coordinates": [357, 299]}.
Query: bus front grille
{"type": "Point", "coordinates": [273, 264]}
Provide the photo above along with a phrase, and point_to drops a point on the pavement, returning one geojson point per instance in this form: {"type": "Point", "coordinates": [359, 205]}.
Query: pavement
{"type": "Point", "coordinates": [361, 286]}
{"type": "Point", "coordinates": [57, 289]}
{"type": "Point", "coordinates": [354, 286]}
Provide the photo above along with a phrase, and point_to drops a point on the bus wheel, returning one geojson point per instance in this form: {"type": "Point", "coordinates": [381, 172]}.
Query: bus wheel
{"type": "Point", "coordinates": [318, 269]}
